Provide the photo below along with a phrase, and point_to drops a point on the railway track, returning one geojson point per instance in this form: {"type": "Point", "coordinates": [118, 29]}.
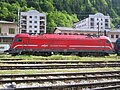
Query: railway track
{"type": "Point", "coordinates": [105, 85]}
{"type": "Point", "coordinates": [4, 59]}
{"type": "Point", "coordinates": [107, 80]}
{"type": "Point", "coordinates": [57, 66]}
{"type": "Point", "coordinates": [60, 81]}
{"type": "Point", "coordinates": [58, 61]}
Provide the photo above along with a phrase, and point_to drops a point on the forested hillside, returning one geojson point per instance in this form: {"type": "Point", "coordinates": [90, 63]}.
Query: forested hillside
{"type": "Point", "coordinates": [61, 12]}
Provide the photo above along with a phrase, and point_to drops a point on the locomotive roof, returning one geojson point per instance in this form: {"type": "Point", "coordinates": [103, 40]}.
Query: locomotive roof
{"type": "Point", "coordinates": [59, 36]}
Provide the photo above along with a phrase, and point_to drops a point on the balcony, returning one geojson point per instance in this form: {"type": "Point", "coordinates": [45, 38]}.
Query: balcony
{"type": "Point", "coordinates": [23, 31]}
{"type": "Point", "coordinates": [42, 18]}
{"type": "Point", "coordinates": [23, 27]}
{"type": "Point", "coordinates": [23, 18]}
{"type": "Point", "coordinates": [24, 23]}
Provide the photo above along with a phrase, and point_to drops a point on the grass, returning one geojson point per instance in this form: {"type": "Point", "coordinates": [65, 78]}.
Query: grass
{"type": "Point", "coordinates": [31, 58]}
{"type": "Point", "coordinates": [34, 71]}
{"type": "Point", "coordinates": [5, 56]}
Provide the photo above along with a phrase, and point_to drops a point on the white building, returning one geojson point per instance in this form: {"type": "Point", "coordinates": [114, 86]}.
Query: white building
{"type": "Point", "coordinates": [8, 30]}
{"type": "Point", "coordinates": [32, 22]}
{"type": "Point", "coordinates": [96, 22]}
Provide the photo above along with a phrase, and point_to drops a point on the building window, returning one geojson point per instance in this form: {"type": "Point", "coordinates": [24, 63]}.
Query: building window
{"type": "Point", "coordinates": [106, 25]}
{"type": "Point", "coordinates": [35, 31]}
{"type": "Point", "coordinates": [92, 19]}
{"type": "Point", "coordinates": [43, 23]}
{"type": "Point", "coordinates": [117, 36]}
{"type": "Point", "coordinates": [112, 36]}
{"type": "Point", "coordinates": [30, 31]}
{"type": "Point", "coordinates": [106, 20]}
{"type": "Point", "coordinates": [5, 40]}
{"type": "Point", "coordinates": [92, 24]}
{"type": "Point", "coordinates": [24, 17]}
{"type": "Point", "coordinates": [97, 23]}
{"type": "Point", "coordinates": [35, 26]}
{"type": "Point", "coordinates": [30, 16]}
{"type": "Point", "coordinates": [24, 27]}
{"type": "Point", "coordinates": [23, 31]}
{"type": "Point", "coordinates": [11, 30]}
{"type": "Point", "coordinates": [30, 26]}
{"type": "Point", "coordinates": [30, 21]}
{"type": "Point", "coordinates": [35, 21]}
{"type": "Point", "coordinates": [42, 18]}
{"type": "Point", "coordinates": [35, 17]}
{"type": "Point", "coordinates": [92, 27]}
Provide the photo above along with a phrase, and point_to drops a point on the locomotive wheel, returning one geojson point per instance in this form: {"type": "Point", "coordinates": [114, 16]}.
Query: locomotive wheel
{"type": "Point", "coordinates": [118, 54]}
{"type": "Point", "coordinates": [48, 54]}
{"type": "Point", "coordinates": [14, 54]}
{"type": "Point", "coordinates": [106, 54]}
{"type": "Point", "coordinates": [89, 54]}
{"type": "Point", "coordinates": [101, 54]}
{"type": "Point", "coordinates": [80, 54]}
{"type": "Point", "coordinates": [43, 54]}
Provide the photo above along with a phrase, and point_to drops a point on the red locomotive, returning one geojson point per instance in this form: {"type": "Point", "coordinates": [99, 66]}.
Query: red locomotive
{"type": "Point", "coordinates": [48, 44]}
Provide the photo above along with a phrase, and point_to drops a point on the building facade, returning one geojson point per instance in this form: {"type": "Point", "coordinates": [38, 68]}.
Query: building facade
{"type": "Point", "coordinates": [97, 22]}
{"type": "Point", "coordinates": [112, 34]}
{"type": "Point", "coordinates": [32, 22]}
{"type": "Point", "coordinates": [8, 30]}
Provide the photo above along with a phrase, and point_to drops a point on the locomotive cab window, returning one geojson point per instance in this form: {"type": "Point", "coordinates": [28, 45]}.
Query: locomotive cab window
{"type": "Point", "coordinates": [107, 41]}
{"type": "Point", "coordinates": [18, 39]}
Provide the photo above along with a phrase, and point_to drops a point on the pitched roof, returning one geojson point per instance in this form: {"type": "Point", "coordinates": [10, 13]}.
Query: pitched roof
{"type": "Point", "coordinates": [7, 22]}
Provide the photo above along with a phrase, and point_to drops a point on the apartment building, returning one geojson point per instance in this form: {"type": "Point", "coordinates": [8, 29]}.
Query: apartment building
{"type": "Point", "coordinates": [97, 21]}
{"type": "Point", "coordinates": [32, 22]}
{"type": "Point", "coordinates": [7, 31]}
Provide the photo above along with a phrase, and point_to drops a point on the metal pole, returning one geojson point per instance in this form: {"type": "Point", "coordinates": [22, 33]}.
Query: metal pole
{"type": "Point", "coordinates": [18, 20]}
{"type": "Point", "coordinates": [98, 27]}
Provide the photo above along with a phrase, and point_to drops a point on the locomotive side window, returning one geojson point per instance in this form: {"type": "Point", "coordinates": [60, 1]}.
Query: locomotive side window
{"type": "Point", "coordinates": [18, 39]}
{"type": "Point", "coordinates": [107, 41]}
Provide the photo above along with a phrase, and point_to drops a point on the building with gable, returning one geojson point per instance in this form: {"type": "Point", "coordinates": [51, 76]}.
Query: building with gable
{"type": "Point", "coordinates": [94, 22]}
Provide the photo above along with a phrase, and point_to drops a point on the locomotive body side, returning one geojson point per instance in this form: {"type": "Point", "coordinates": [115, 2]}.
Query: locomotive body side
{"type": "Point", "coordinates": [62, 44]}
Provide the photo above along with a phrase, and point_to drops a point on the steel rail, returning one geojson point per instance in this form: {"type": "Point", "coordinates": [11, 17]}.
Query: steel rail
{"type": "Point", "coordinates": [52, 62]}
{"type": "Point", "coordinates": [105, 74]}
{"type": "Point", "coordinates": [116, 87]}
{"type": "Point", "coordinates": [78, 85]}
{"type": "Point", "coordinates": [11, 59]}
{"type": "Point", "coordinates": [57, 66]}
{"type": "Point", "coordinates": [61, 79]}
{"type": "Point", "coordinates": [58, 74]}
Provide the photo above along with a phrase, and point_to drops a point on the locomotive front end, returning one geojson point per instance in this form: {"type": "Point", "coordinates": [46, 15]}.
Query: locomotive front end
{"type": "Point", "coordinates": [109, 46]}
{"type": "Point", "coordinates": [17, 44]}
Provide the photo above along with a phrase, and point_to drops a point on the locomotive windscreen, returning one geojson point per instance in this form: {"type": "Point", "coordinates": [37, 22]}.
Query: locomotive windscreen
{"type": "Point", "coordinates": [18, 40]}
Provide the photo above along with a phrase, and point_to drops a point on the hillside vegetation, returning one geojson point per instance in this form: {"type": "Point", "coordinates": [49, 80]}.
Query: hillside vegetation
{"type": "Point", "coordinates": [61, 12]}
